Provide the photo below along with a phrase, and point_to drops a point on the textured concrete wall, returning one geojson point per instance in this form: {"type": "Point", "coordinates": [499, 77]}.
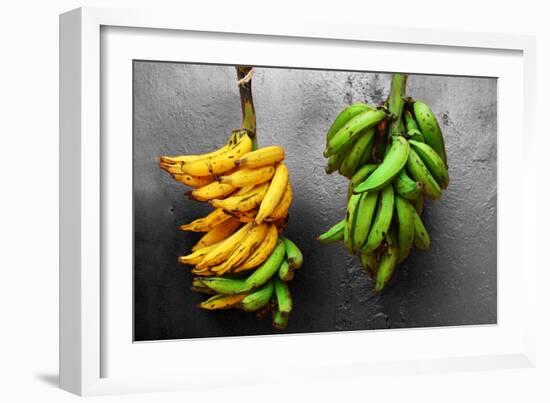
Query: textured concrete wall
{"type": "Point", "coordinates": [182, 108]}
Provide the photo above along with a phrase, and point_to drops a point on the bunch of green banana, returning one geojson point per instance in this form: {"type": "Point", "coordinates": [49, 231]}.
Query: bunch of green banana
{"type": "Point", "coordinates": [386, 195]}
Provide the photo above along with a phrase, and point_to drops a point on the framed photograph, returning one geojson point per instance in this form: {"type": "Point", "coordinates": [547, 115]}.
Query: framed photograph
{"type": "Point", "coordinates": [306, 201]}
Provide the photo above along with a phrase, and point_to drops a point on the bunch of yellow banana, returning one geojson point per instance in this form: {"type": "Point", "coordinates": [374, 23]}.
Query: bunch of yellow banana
{"type": "Point", "coordinates": [251, 194]}
{"type": "Point", "coordinates": [393, 155]}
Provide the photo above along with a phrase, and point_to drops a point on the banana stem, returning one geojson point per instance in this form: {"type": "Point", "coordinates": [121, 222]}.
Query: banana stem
{"type": "Point", "coordinates": [396, 102]}
{"type": "Point", "coordinates": [247, 104]}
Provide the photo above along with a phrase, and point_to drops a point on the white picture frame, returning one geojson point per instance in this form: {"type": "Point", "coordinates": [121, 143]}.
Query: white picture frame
{"type": "Point", "coordinates": [97, 355]}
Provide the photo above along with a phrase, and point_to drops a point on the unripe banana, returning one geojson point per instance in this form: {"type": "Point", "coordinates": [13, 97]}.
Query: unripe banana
{"type": "Point", "coordinates": [345, 116]}
{"type": "Point", "coordinates": [258, 299]}
{"type": "Point", "coordinates": [280, 319]}
{"type": "Point", "coordinates": [263, 273]}
{"type": "Point", "coordinates": [293, 254]}
{"type": "Point", "coordinates": [386, 266]}
{"type": "Point", "coordinates": [410, 123]}
{"type": "Point", "coordinates": [282, 293]}
{"type": "Point", "coordinates": [352, 129]}
{"type": "Point", "coordinates": [395, 160]}
{"type": "Point", "coordinates": [284, 272]}
{"type": "Point", "coordinates": [433, 162]}
{"type": "Point", "coordinates": [364, 214]}
{"type": "Point", "coordinates": [405, 227]}
{"type": "Point", "coordinates": [421, 236]}
{"type": "Point", "coordinates": [406, 187]}
{"type": "Point", "coordinates": [360, 176]}
{"type": "Point", "coordinates": [369, 261]}
{"type": "Point", "coordinates": [224, 286]}
{"type": "Point", "coordinates": [430, 128]}
{"type": "Point", "coordinates": [382, 220]}
{"type": "Point", "coordinates": [334, 233]}
{"type": "Point", "coordinates": [351, 216]}
{"type": "Point", "coordinates": [421, 173]}
{"type": "Point", "coordinates": [357, 153]}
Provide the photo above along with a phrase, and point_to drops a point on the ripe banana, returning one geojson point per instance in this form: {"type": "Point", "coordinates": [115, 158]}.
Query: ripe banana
{"type": "Point", "coordinates": [258, 299]}
{"type": "Point", "coordinates": [224, 248]}
{"type": "Point", "coordinates": [382, 220]}
{"type": "Point", "coordinates": [394, 161]}
{"type": "Point", "coordinates": [345, 116]}
{"type": "Point", "coordinates": [243, 202]}
{"type": "Point", "coordinates": [281, 211]}
{"type": "Point", "coordinates": [334, 233]}
{"type": "Point", "coordinates": [261, 157]}
{"type": "Point", "coordinates": [352, 129]}
{"type": "Point", "coordinates": [220, 163]}
{"type": "Point", "coordinates": [419, 172]}
{"type": "Point", "coordinates": [406, 187]}
{"type": "Point", "coordinates": [219, 301]}
{"type": "Point", "coordinates": [214, 190]}
{"type": "Point", "coordinates": [193, 181]}
{"type": "Point", "coordinates": [363, 220]}
{"type": "Point", "coordinates": [262, 252]}
{"type": "Point", "coordinates": [433, 162]}
{"type": "Point", "coordinates": [430, 128]}
{"type": "Point", "coordinates": [274, 193]}
{"type": "Point", "coordinates": [218, 233]}
{"type": "Point", "coordinates": [248, 176]}
{"type": "Point", "coordinates": [197, 256]}
{"type": "Point", "coordinates": [205, 224]}
{"type": "Point", "coordinates": [405, 227]}
{"type": "Point", "coordinates": [254, 238]}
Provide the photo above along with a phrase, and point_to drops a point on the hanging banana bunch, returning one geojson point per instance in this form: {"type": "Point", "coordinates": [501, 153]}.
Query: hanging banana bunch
{"type": "Point", "coordinates": [394, 155]}
{"type": "Point", "coordinates": [241, 259]}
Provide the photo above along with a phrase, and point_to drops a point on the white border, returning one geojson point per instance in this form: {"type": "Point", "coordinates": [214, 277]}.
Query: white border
{"type": "Point", "coordinates": [80, 362]}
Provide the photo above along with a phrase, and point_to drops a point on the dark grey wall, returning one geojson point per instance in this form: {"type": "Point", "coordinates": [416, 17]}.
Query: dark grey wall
{"type": "Point", "coordinates": [181, 108]}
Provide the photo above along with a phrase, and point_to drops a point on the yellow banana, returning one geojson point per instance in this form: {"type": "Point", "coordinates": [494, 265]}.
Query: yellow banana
{"type": "Point", "coordinates": [245, 216]}
{"type": "Point", "coordinates": [242, 252]}
{"type": "Point", "coordinates": [214, 190]}
{"type": "Point", "coordinates": [205, 224]}
{"type": "Point", "coordinates": [273, 195]}
{"type": "Point", "coordinates": [281, 210]}
{"type": "Point", "coordinates": [224, 248]}
{"type": "Point", "coordinates": [218, 233]}
{"type": "Point", "coordinates": [220, 163]}
{"type": "Point", "coordinates": [196, 256]}
{"type": "Point", "coordinates": [202, 272]}
{"type": "Point", "coordinates": [262, 157]}
{"type": "Point", "coordinates": [222, 301]}
{"type": "Point", "coordinates": [262, 252]}
{"type": "Point", "coordinates": [193, 181]}
{"type": "Point", "coordinates": [243, 202]}
{"type": "Point", "coordinates": [249, 176]}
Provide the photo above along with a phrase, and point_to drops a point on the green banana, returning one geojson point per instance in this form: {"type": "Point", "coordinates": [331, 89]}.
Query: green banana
{"type": "Point", "coordinates": [198, 286]}
{"type": "Point", "coordinates": [224, 286]}
{"type": "Point", "coordinates": [280, 319]}
{"type": "Point", "coordinates": [352, 129]}
{"type": "Point", "coordinates": [359, 176]}
{"type": "Point", "coordinates": [356, 153]}
{"type": "Point", "coordinates": [419, 172]}
{"type": "Point", "coordinates": [415, 134]}
{"type": "Point", "coordinates": [405, 227]}
{"type": "Point", "coordinates": [259, 298]}
{"type": "Point", "coordinates": [284, 271]}
{"type": "Point", "coordinates": [282, 293]}
{"type": "Point", "coordinates": [386, 266]}
{"type": "Point", "coordinates": [369, 261]}
{"type": "Point", "coordinates": [410, 123]}
{"type": "Point", "coordinates": [353, 203]}
{"type": "Point", "coordinates": [433, 162]}
{"type": "Point", "coordinates": [335, 161]}
{"type": "Point", "coordinates": [363, 218]}
{"type": "Point", "coordinates": [382, 220]}
{"type": "Point", "coordinates": [421, 236]}
{"type": "Point", "coordinates": [406, 187]}
{"type": "Point", "coordinates": [430, 128]}
{"type": "Point", "coordinates": [345, 116]}
{"type": "Point", "coordinates": [293, 254]}
{"type": "Point", "coordinates": [419, 204]}
{"type": "Point", "coordinates": [395, 160]}
{"type": "Point", "coordinates": [334, 233]}
{"type": "Point", "coordinates": [263, 273]}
